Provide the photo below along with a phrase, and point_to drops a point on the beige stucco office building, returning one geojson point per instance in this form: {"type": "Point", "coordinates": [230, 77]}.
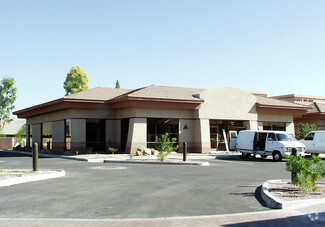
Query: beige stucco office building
{"type": "Point", "coordinates": [127, 119]}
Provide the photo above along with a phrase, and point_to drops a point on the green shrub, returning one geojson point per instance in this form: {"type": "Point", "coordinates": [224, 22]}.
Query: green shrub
{"type": "Point", "coordinates": [305, 173]}
{"type": "Point", "coordinates": [89, 150]}
{"type": "Point", "coordinates": [112, 150]}
{"type": "Point", "coordinates": [20, 138]}
{"type": "Point", "coordinates": [303, 129]}
{"type": "Point", "coordinates": [165, 146]}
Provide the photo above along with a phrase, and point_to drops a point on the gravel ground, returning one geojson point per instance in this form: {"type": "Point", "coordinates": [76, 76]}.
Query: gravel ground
{"type": "Point", "coordinates": [13, 173]}
{"type": "Point", "coordinates": [289, 192]}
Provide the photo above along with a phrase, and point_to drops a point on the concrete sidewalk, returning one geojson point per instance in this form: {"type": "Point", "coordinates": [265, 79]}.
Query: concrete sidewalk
{"type": "Point", "coordinates": [309, 216]}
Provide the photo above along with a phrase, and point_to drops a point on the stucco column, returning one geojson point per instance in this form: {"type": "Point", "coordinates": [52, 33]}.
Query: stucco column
{"type": "Point", "coordinates": [113, 133]}
{"type": "Point", "coordinates": [253, 125]}
{"type": "Point", "coordinates": [137, 136]}
{"type": "Point", "coordinates": [37, 136]}
{"type": "Point", "coordinates": [58, 137]}
{"type": "Point", "coordinates": [202, 136]}
{"type": "Point", "coordinates": [290, 127]}
{"type": "Point", "coordinates": [78, 135]}
{"type": "Point", "coordinates": [186, 134]}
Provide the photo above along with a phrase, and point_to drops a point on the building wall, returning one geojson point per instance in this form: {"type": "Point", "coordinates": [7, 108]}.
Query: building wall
{"type": "Point", "coordinates": [186, 134]}
{"type": "Point", "coordinates": [78, 135]}
{"type": "Point", "coordinates": [153, 113]}
{"type": "Point", "coordinates": [58, 136]}
{"type": "Point", "coordinates": [73, 114]}
{"type": "Point", "coordinates": [287, 119]}
{"type": "Point", "coordinates": [227, 104]}
{"type": "Point", "coordinates": [137, 136]}
{"type": "Point", "coordinates": [37, 136]}
{"type": "Point", "coordinates": [113, 133]}
{"type": "Point", "coordinates": [201, 140]}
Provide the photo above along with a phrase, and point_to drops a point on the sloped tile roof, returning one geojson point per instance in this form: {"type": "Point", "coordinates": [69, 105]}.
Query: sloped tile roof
{"type": "Point", "coordinates": [166, 92]}
{"type": "Point", "coordinates": [275, 102]}
{"type": "Point", "coordinates": [321, 107]}
{"type": "Point", "coordinates": [12, 128]}
{"type": "Point", "coordinates": [99, 93]}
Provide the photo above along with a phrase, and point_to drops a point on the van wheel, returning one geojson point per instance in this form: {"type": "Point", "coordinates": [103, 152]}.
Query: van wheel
{"type": "Point", "coordinates": [316, 154]}
{"type": "Point", "coordinates": [245, 155]}
{"type": "Point", "coordinates": [277, 156]}
{"type": "Point", "coordinates": [263, 156]}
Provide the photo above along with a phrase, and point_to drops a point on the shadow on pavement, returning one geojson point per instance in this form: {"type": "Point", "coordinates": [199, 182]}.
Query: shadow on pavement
{"type": "Point", "coordinates": [239, 158]}
{"type": "Point", "coordinates": [313, 219]}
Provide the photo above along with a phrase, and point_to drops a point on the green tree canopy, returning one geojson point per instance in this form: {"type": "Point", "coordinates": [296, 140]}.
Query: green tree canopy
{"type": "Point", "coordinates": [303, 129]}
{"type": "Point", "coordinates": [7, 99]}
{"type": "Point", "coordinates": [117, 84]}
{"type": "Point", "coordinates": [75, 81]}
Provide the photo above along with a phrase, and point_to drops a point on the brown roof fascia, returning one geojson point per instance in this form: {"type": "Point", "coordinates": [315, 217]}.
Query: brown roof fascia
{"type": "Point", "coordinates": [265, 109]}
{"type": "Point", "coordinates": [313, 116]}
{"type": "Point", "coordinates": [60, 104]}
{"type": "Point", "coordinates": [126, 102]}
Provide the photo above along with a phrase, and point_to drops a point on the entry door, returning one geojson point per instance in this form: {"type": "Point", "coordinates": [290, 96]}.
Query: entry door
{"type": "Point", "coordinates": [232, 140]}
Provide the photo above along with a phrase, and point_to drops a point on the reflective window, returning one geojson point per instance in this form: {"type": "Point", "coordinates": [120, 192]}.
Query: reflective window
{"type": "Point", "coordinates": [271, 137]}
{"type": "Point", "coordinates": [274, 126]}
{"type": "Point", "coordinates": [47, 136]}
{"type": "Point", "coordinates": [159, 126]}
{"type": "Point", "coordinates": [68, 134]}
{"type": "Point", "coordinates": [285, 137]}
{"type": "Point", "coordinates": [310, 136]}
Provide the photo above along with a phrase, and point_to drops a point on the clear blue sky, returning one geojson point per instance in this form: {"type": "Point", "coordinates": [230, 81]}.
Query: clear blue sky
{"type": "Point", "coordinates": [274, 46]}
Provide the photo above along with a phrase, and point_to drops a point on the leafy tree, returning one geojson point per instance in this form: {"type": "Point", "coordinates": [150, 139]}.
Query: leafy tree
{"type": "Point", "coordinates": [7, 99]}
{"type": "Point", "coordinates": [75, 81]}
{"type": "Point", "coordinates": [20, 137]}
{"type": "Point", "coordinates": [303, 129]}
{"type": "Point", "coordinates": [117, 84]}
{"type": "Point", "coordinates": [165, 146]}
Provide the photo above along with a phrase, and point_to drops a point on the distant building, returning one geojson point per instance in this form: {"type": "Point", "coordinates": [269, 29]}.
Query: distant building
{"type": "Point", "coordinates": [9, 131]}
{"type": "Point", "coordinates": [316, 112]}
{"type": "Point", "coordinates": [127, 119]}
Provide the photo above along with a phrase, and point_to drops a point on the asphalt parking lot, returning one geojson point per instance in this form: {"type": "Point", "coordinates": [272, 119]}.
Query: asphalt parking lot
{"type": "Point", "coordinates": [97, 190]}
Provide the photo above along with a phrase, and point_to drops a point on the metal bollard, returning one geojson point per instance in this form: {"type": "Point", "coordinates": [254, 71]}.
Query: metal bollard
{"type": "Point", "coordinates": [35, 157]}
{"type": "Point", "coordinates": [184, 151]}
{"type": "Point", "coordinates": [293, 173]}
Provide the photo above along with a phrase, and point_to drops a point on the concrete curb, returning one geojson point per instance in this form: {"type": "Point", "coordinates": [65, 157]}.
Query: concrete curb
{"type": "Point", "coordinates": [160, 163]}
{"type": "Point", "coordinates": [274, 202]}
{"type": "Point", "coordinates": [20, 180]}
{"type": "Point", "coordinates": [103, 160]}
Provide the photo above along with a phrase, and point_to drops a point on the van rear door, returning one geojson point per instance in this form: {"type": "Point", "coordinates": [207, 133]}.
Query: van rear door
{"type": "Point", "coordinates": [232, 140]}
{"type": "Point", "coordinates": [309, 142]}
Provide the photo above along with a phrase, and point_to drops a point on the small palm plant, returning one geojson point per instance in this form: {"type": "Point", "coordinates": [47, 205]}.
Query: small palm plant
{"type": "Point", "coordinates": [165, 146]}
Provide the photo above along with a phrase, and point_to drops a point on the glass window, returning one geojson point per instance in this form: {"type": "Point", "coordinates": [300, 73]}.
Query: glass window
{"type": "Point", "coordinates": [68, 134]}
{"type": "Point", "coordinates": [274, 126]}
{"type": "Point", "coordinates": [159, 126]}
{"type": "Point", "coordinates": [285, 137]}
{"type": "Point", "coordinates": [95, 134]}
{"type": "Point", "coordinates": [47, 136]}
{"type": "Point", "coordinates": [30, 137]}
{"type": "Point", "coordinates": [310, 136]}
{"type": "Point", "coordinates": [271, 137]}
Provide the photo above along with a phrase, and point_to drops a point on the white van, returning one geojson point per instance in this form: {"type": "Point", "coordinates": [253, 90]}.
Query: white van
{"type": "Point", "coordinates": [315, 142]}
{"type": "Point", "coordinates": [268, 143]}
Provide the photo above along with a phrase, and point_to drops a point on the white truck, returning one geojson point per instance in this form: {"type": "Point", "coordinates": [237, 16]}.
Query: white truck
{"type": "Point", "coordinates": [268, 143]}
{"type": "Point", "coordinates": [315, 142]}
